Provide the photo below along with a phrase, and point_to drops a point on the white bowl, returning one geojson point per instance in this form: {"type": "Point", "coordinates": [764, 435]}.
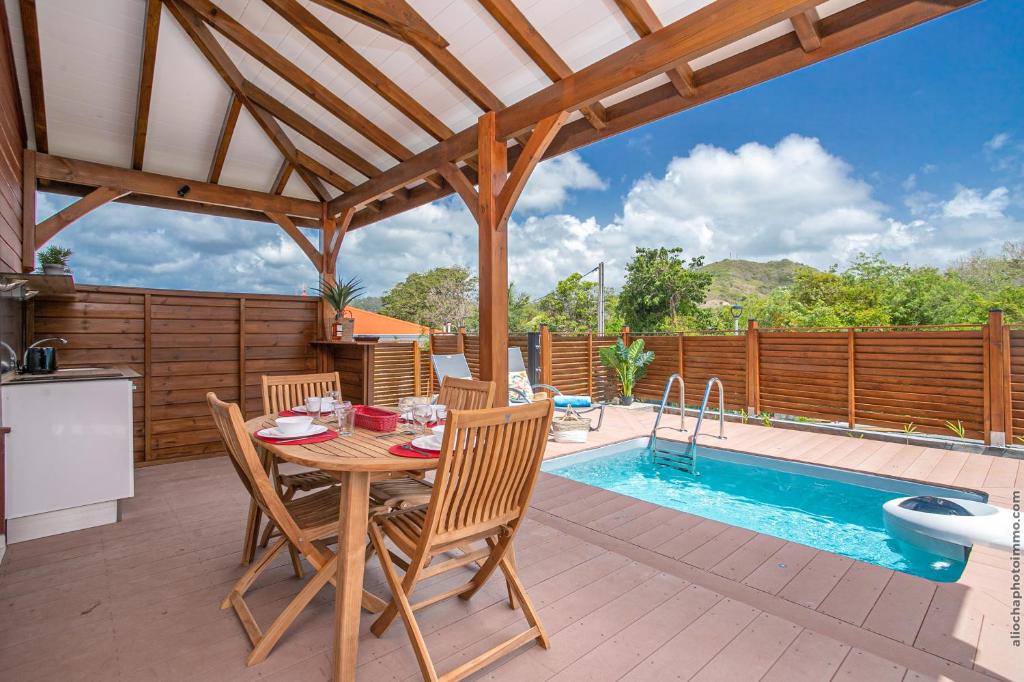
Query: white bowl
{"type": "Point", "coordinates": [291, 426]}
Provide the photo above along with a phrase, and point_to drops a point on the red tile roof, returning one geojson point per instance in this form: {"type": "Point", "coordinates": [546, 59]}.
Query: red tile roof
{"type": "Point", "coordinates": [375, 324]}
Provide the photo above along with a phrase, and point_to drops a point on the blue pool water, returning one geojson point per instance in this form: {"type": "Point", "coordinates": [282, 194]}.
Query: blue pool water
{"type": "Point", "coordinates": [840, 516]}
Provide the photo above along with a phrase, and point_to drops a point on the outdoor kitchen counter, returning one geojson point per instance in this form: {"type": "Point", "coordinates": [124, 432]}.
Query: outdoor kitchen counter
{"type": "Point", "coordinates": [70, 374]}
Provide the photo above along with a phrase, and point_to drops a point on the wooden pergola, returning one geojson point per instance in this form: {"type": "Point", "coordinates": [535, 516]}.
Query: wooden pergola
{"type": "Point", "coordinates": [336, 114]}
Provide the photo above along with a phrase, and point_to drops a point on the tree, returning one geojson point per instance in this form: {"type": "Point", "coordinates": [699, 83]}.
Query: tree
{"type": "Point", "coordinates": [572, 307]}
{"type": "Point", "coordinates": [442, 298]}
{"type": "Point", "coordinates": [662, 292]}
{"type": "Point", "coordinates": [522, 312]}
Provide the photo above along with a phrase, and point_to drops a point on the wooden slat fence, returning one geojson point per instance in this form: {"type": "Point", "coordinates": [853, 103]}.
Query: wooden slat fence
{"type": "Point", "coordinates": [884, 377]}
{"type": "Point", "coordinates": [187, 343]}
{"type": "Point", "coordinates": [183, 344]}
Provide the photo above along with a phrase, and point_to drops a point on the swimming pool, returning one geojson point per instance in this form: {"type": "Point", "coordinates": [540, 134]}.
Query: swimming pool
{"type": "Point", "coordinates": [830, 509]}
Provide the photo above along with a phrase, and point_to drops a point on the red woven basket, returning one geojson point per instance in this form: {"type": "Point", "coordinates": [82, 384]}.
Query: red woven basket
{"type": "Point", "coordinates": [374, 419]}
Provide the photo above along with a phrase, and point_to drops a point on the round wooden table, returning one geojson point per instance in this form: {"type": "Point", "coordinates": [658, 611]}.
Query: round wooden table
{"type": "Point", "coordinates": [351, 460]}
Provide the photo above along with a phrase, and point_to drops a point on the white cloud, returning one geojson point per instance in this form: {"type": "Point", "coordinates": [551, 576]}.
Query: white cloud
{"type": "Point", "coordinates": [791, 200]}
{"type": "Point", "coordinates": [997, 142]}
{"type": "Point", "coordinates": [549, 186]}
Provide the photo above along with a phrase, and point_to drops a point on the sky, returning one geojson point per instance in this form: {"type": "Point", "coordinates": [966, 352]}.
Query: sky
{"type": "Point", "coordinates": [911, 147]}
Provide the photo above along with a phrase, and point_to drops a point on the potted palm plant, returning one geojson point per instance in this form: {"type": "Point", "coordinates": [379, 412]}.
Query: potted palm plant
{"type": "Point", "coordinates": [54, 260]}
{"type": "Point", "coordinates": [629, 363]}
{"type": "Point", "coordinates": [340, 296]}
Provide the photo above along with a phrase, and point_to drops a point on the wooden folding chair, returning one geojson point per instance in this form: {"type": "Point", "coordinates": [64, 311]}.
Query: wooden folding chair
{"type": "Point", "coordinates": [488, 467]}
{"type": "Point", "coordinates": [410, 491]}
{"type": "Point", "coordinates": [283, 393]}
{"type": "Point", "coordinates": [307, 524]}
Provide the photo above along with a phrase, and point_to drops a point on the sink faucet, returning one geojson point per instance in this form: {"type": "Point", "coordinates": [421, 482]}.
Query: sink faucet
{"type": "Point", "coordinates": [39, 343]}
{"type": "Point", "coordinates": [11, 363]}
{"type": "Point", "coordinates": [51, 338]}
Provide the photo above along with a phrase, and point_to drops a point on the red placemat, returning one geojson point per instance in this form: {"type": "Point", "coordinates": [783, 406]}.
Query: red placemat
{"type": "Point", "coordinates": [293, 413]}
{"type": "Point", "coordinates": [318, 438]}
{"type": "Point", "coordinates": [407, 450]}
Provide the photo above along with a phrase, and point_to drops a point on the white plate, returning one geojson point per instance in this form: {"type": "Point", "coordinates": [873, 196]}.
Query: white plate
{"type": "Point", "coordinates": [274, 432]}
{"type": "Point", "coordinates": [427, 443]}
{"type": "Point", "coordinates": [437, 430]}
{"type": "Point", "coordinates": [301, 409]}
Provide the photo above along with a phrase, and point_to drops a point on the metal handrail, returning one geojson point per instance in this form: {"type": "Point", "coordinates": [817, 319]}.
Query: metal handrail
{"type": "Point", "coordinates": [664, 401]}
{"type": "Point", "coordinates": [713, 381]}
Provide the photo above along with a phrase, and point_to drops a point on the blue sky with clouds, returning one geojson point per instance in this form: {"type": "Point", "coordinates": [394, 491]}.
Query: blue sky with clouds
{"type": "Point", "coordinates": [912, 147]}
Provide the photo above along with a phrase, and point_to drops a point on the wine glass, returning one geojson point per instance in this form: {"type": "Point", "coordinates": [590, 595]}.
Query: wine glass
{"type": "Point", "coordinates": [422, 414]}
{"type": "Point", "coordinates": [405, 411]}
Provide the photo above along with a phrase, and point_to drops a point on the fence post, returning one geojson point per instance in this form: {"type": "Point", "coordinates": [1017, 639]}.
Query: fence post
{"type": "Point", "coordinates": [416, 380]}
{"type": "Point", "coordinates": [545, 355]}
{"type": "Point", "coordinates": [753, 369]}
{"type": "Point", "coordinates": [851, 377]}
{"type": "Point", "coordinates": [625, 335]}
{"type": "Point", "coordinates": [460, 340]}
{"type": "Point", "coordinates": [590, 363]}
{"type": "Point", "coordinates": [997, 373]}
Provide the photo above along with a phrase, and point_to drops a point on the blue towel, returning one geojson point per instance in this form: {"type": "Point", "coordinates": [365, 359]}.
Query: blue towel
{"type": "Point", "coordinates": [572, 401]}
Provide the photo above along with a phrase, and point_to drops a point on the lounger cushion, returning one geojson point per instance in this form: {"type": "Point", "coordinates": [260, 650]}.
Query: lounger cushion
{"type": "Point", "coordinates": [572, 401]}
{"type": "Point", "coordinates": [521, 383]}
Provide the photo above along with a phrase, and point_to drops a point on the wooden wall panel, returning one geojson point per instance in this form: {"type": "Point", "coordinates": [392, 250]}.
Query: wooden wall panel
{"type": "Point", "coordinates": [1017, 386]}
{"type": "Point", "coordinates": [922, 377]}
{"type": "Point", "coordinates": [804, 374]}
{"type": "Point", "coordinates": [197, 342]}
{"type": "Point", "coordinates": [570, 363]}
{"type": "Point", "coordinates": [721, 356]}
{"type": "Point", "coordinates": [12, 142]}
{"type": "Point", "coordinates": [666, 362]}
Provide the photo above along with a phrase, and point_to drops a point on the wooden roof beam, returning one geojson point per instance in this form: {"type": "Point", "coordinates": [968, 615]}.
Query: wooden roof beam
{"type": "Point", "coordinates": [644, 21]}
{"type": "Point", "coordinates": [519, 28]}
{"type": "Point", "coordinates": [406, 24]}
{"type": "Point", "coordinates": [296, 77]}
{"type": "Point", "coordinates": [88, 173]}
{"type": "Point", "coordinates": [49, 228]}
{"type": "Point", "coordinates": [224, 140]}
{"type": "Point", "coordinates": [323, 37]}
{"type": "Point", "coordinates": [30, 31]}
{"type": "Point", "coordinates": [709, 28]}
{"type": "Point", "coordinates": [197, 30]}
{"type": "Point", "coordinates": [149, 41]}
{"type": "Point", "coordinates": [307, 129]}
{"type": "Point", "coordinates": [281, 179]}
{"type": "Point", "coordinates": [806, 27]}
{"type": "Point", "coordinates": [841, 32]}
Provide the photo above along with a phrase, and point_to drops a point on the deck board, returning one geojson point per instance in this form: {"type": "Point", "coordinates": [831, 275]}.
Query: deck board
{"type": "Point", "coordinates": [627, 590]}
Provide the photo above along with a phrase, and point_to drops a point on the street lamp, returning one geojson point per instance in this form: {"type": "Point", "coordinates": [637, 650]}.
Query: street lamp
{"type": "Point", "coordinates": [737, 311]}
{"type": "Point", "coordinates": [600, 296]}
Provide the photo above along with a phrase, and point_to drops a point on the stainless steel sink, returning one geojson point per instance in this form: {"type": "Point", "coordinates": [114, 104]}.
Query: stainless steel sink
{"type": "Point", "coordinates": [69, 373]}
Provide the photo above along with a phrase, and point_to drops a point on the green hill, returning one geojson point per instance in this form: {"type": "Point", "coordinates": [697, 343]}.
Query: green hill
{"type": "Point", "coordinates": [735, 279]}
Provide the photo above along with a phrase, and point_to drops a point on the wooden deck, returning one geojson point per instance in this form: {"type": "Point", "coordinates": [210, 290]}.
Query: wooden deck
{"type": "Point", "coordinates": [626, 589]}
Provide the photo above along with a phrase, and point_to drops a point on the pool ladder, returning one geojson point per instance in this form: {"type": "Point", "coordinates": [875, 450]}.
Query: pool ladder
{"type": "Point", "coordinates": [685, 461]}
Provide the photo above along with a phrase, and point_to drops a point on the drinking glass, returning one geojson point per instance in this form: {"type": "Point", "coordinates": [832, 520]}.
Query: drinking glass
{"type": "Point", "coordinates": [422, 414]}
{"type": "Point", "coordinates": [440, 412]}
{"type": "Point", "coordinates": [405, 406]}
{"type": "Point", "coordinates": [346, 416]}
{"type": "Point", "coordinates": [333, 398]}
{"type": "Point", "coordinates": [313, 405]}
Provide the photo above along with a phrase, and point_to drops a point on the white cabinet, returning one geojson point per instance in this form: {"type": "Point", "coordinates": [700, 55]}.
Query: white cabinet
{"type": "Point", "coordinates": [69, 454]}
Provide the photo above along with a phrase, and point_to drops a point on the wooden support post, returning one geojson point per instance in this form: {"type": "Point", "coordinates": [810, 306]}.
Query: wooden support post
{"type": "Point", "coordinates": [493, 259]}
{"type": "Point", "coordinates": [460, 340]}
{"type": "Point", "coordinates": [28, 211]}
{"type": "Point", "coordinates": [625, 336]}
{"type": "Point", "coordinates": [753, 369]}
{"type": "Point", "coordinates": [241, 355]}
{"type": "Point", "coordinates": [545, 356]}
{"type": "Point", "coordinates": [851, 376]}
{"type": "Point", "coordinates": [590, 363]}
{"type": "Point", "coordinates": [147, 376]}
{"type": "Point", "coordinates": [416, 379]}
{"type": "Point", "coordinates": [997, 374]}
